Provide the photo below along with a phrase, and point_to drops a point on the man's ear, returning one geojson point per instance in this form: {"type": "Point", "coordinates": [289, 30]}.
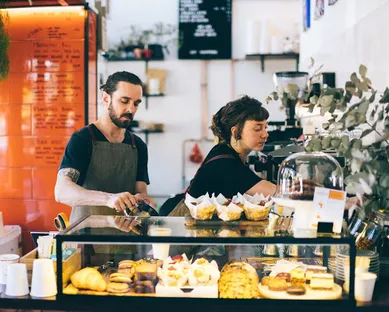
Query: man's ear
{"type": "Point", "coordinates": [106, 98]}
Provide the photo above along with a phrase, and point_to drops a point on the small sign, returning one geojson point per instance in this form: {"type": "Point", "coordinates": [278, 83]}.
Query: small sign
{"type": "Point", "coordinates": [329, 207]}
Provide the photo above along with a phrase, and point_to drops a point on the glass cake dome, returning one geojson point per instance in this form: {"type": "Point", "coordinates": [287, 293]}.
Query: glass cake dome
{"type": "Point", "coordinates": [298, 176]}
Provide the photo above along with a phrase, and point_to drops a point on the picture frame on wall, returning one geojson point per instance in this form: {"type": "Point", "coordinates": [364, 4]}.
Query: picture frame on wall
{"type": "Point", "coordinates": [306, 14]}
{"type": "Point", "coordinates": [319, 9]}
{"type": "Point", "coordinates": [332, 2]}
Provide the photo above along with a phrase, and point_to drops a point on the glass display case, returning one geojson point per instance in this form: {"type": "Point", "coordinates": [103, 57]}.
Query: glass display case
{"type": "Point", "coordinates": [298, 177]}
{"type": "Point", "coordinates": [137, 258]}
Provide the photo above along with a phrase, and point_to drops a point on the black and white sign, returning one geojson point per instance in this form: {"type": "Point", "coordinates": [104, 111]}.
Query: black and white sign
{"type": "Point", "coordinates": [204, 29]}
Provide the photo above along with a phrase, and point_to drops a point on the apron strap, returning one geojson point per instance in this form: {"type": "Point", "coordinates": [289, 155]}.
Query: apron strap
{"type": "Point", "coordinates": [92, 133]}
{"type": "Point", "coordinates": [132, 138]}
{"type": "Point", "coordinates": [222, 156]}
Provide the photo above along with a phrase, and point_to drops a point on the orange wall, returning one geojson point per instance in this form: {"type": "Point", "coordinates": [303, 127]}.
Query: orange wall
{"type": "Point", "coordinates": [41, 105]}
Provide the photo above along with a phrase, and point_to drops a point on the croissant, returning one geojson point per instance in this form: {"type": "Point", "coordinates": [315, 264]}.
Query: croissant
{"type": "Point", "coordinates": [89, 278]}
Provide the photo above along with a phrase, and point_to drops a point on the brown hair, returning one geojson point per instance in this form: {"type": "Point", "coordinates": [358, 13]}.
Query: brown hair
{"type": "Point", "coordinates": [236, 113]}
{"type": "Point", "coordinates": [113, 80]}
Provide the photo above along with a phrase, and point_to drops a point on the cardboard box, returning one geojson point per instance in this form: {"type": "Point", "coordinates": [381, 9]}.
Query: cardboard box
{"type": "Point", "coordinates": [69, 266]}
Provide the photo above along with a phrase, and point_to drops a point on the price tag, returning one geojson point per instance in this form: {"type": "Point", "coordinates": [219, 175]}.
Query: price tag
{"type": "Point", "coordinates": [329, 207]}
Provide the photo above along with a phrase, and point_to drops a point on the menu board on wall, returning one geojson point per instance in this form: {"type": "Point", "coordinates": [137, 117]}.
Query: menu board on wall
{"type": "Point", "coordinates": [205, 29]}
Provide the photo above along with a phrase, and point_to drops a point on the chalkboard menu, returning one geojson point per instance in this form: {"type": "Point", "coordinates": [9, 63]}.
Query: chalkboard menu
{"type": "Point", "coordinates": [204, 29]}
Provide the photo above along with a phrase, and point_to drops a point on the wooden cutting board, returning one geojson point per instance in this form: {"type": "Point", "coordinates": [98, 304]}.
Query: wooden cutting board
{"type": "Point", "coordinates": [335, 293]}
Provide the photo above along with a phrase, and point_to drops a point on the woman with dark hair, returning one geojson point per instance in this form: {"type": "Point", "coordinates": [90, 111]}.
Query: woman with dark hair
{"type": "Point", "coordinates": [240, 127]}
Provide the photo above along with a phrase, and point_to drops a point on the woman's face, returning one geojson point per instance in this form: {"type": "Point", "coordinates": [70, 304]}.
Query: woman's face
{"type": "Point", "coordinates": [254, 135]}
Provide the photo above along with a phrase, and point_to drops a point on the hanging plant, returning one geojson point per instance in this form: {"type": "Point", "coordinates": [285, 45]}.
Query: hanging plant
{"type": "Point", "coordinates": [4, 43]}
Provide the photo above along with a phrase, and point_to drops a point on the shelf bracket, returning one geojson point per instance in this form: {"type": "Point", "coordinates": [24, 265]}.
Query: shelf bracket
{"type": "Point", "coordinates": [263, 63]}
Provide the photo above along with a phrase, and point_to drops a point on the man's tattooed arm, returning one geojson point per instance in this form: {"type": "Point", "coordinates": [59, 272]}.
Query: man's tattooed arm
{"type": "Point", "coordinates": [73, 174]}
{"type": "Point", "coordinates": [68, 192]}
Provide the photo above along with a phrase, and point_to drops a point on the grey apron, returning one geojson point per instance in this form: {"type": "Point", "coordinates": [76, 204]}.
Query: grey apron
{"type": "Point", "coordinates": [112, 169]}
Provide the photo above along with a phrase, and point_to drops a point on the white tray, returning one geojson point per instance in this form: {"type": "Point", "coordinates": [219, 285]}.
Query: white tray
{"type": "Point", "coordinates": [187, 291]}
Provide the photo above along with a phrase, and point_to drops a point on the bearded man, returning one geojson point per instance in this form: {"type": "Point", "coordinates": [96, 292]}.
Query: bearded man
{"type": "Point", "coordinates": [104, 166]}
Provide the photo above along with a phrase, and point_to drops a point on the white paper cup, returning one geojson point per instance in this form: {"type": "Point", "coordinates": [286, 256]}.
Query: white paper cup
{"type": "Point", "coordinates": [5, 260]}
{"type": "Point", "coordinates": [364, 286]}
{"type": "Point", "coordinates": [43, 282]}
{"type": "Point", "coordinates": [160, 251]}
{"type": "Point", "coordinates": [17, 283]}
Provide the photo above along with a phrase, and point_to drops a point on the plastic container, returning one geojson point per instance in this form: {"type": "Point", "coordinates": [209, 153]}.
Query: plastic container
{"type": "Point", "coordinates": [11, 240]}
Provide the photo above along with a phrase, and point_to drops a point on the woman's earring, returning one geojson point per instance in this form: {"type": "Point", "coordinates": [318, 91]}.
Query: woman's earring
{"type": "Point", "coordinates": [236, 143]}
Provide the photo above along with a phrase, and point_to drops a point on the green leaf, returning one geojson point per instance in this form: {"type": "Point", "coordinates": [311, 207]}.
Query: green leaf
{"type": "Point", "coordinates": [372, 97]}
{"type": "Point", "coordinates": [335, 142]}
{"type": "Point", "coordinates": [385, 96]}
{"type": "Point", "coordinates": [354, 78]}
{"type": "Point", "coordinates": [325, 125]}
{"type": "Point", "coordinates": [325, 101]}
{"type": "Point", "coordinates": [268, 99]}
{"type": "Point", "coordinates": [350, 87]}
{"type": "Point", "coordinates": [386, 123]}
{"type": "Point", "coordinates": [366, 132]}
{"type": "Point", "coordinates": [275, 96]}
{"type": "Point", "coordinates": [381, 115]}
{"type": "Point", "coordinates": [285, 100]}
{"type": "Point", "coordinates": [338, 125]}
{"type": "Point", "coordinates": [384, 181]}
{"type": "Point", "coordinates": [311, 107]}
{"type": "Point", "coordinates": [362, 70]}
{"type": "Point", "coordinates": [292, 90]}
{"type": "Point", "coordinates": [326, 142]}
{"type": "Point", "coordinates": [313, 99]}
{"type": "Point", "coordinates": [332, 107]}
{"type": "Point", "coordinates": [345, 141]}
{"type": "Point", "coordinates": [356, 143]}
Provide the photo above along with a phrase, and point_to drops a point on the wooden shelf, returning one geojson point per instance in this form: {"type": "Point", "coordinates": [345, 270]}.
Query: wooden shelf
{"type": "Point", "coordinates": [119, 59]}
{"type": "Point", "coordinates": [146, 96]}
{"type": "Point", "coordinates": [263, 57]}
{"type": "Point", "coordinates": [146, 133]}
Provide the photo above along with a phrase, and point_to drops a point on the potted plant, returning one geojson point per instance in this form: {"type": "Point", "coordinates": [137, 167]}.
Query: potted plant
{"type": "Point", "coordinates": [4, 43]}
{"type": "Point", "coordinates": [163, 36]}
{"type": "Point", "coordinates": [357, 106]}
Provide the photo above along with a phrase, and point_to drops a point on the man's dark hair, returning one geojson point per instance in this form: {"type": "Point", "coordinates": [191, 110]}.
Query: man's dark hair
{"type": "Point", "coordinates": [236, 113]}
{"type": "Point", "coordinates": [112, 82]}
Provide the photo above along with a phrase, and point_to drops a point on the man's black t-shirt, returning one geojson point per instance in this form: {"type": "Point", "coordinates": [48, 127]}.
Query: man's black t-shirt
{"type": "Point", "coordinates": [78, 153]}
{"type": "Point", "coordinates": [227, 176]}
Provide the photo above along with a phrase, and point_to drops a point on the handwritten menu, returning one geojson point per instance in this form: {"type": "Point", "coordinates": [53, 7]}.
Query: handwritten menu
{"type": "Point", "coordinates": [53, 55]}
{"type": "Point", "coordinates": [49, 151]}
{"type": "Point", "coordinates": [47, 23]}
{"type": "Point", "coordinates": [205, 29]}
{"type": "Point", "coordinates": [58, 88]}
{"type": "Point", "coordinates": [61, 119]}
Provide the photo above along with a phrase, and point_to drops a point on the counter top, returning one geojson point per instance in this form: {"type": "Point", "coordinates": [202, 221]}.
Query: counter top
{"type": "Point", "coordinates": [92, 303]}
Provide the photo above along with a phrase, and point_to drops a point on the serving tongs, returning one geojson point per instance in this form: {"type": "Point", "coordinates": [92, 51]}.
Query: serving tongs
{"type": "Point", "coordinates": [140, 209]}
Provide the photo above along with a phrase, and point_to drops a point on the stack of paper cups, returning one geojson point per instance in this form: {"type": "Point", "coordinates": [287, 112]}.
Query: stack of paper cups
{"type": "Point", "coordinates": [252, 37]}
{"type": "Point", "coordinates": [43, 279]}
{"type": "Point", "coordinates": [17, 283]}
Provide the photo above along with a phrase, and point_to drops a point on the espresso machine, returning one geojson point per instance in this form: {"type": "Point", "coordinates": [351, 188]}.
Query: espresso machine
{"type": "Point", "coordinates": [287, 138]}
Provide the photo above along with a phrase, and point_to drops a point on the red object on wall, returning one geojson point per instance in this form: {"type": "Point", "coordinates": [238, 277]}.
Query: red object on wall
{"type": "Point", "coordinates": [49, 94]}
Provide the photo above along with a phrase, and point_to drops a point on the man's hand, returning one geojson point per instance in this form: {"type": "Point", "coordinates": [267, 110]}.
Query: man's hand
{"type": "Point", "coordinates": [140, 197]}
{"type": "Point", "coordinates": [121, 201]}
{"type": "Point", "coordinates": [127, 224]}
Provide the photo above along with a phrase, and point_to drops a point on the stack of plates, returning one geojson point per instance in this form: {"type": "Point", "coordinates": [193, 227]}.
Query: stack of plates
{"type": "Point", "coordinates": [384, 267]}
{"type": "Point", "coordinates": [336, 265]}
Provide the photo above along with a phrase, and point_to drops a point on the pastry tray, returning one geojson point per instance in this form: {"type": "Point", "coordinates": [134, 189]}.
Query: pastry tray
{"type": "Point", "coordinates": [215, 221]}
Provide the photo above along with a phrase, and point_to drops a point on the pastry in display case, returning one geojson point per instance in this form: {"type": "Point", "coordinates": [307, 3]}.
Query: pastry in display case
{"type": "Point", "coordinates": [242, 271]}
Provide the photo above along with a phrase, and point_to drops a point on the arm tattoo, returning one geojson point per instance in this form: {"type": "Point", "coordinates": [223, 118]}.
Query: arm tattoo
{"type": "Point", "coordinates": [73, 174]}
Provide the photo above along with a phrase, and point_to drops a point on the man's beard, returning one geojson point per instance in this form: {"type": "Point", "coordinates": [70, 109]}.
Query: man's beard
{"type": "Point", "coordinates": [117, 122]}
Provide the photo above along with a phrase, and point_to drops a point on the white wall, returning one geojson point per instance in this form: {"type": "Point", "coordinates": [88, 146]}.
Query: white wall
{"type": "Point", "coordinates": [350, 33]}
{"type": "Point", "coordinates": [180, 110]}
